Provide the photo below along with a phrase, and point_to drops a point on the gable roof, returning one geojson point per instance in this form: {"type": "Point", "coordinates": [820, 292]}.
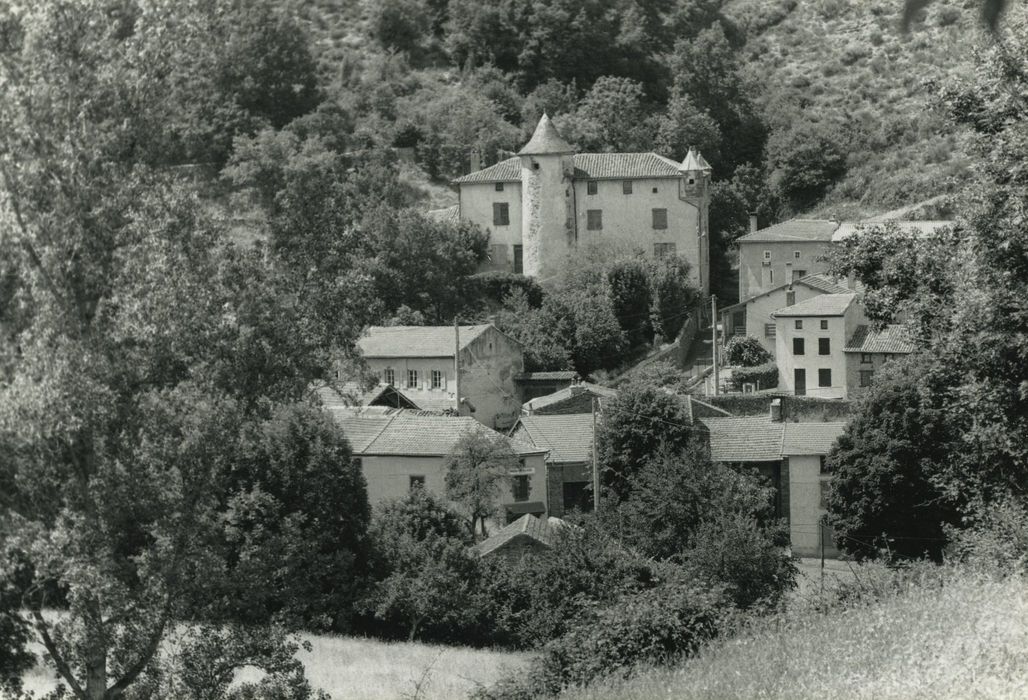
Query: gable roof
{"type": "Point", "coordinates": [545, 140]}
{"type": "Point", "coordinates": [413, 433]}
{"type": "Point", "coordinates": [350, 394]}
{"type": "Point", "coordinates": [800, 230]}
{"type": "Point", "coordinates": [894, 338]}
{"type": "Point", "coordinates": [416, 341]}
{"type": "Point", "coordinates": [817, 282]}
{"type": "Point", "coordinates": [508, 170]}
{"type": "Point", "coordinates": [822, 305]}
{"type": "Point", "coordinates": [567, 393]}
{"type": "Point", "coordinates": [528, 526]}
{"type": "Point", "coordinates": [810, 438]}
{"type": "Point", "coordinates": [921, 228]}
{"type": "Point", "coordinates": [567, 437]}
{"type": "Point", "coordinates": [588, 166]}
{"type": "Point", "coordinates": [744, 439]}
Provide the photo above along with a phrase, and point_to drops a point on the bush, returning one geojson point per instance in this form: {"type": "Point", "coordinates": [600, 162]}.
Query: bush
{"type": "Point", "coordinates": [745, 351]}
{"type": "Point", "coordinates": [764, 376]}
{"type": "Point", "coordinates": [497, 285]}
{"type": "Point", "coordinates": [997, 542]}
{"type": "Point", "coordinates": [655, 626]}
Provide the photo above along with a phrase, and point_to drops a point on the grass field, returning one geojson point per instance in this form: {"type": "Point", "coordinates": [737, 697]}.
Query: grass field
{"type": "Point", "coordinates": [966, 640]}
{"type": "Point", "coordinates": [347, 667]}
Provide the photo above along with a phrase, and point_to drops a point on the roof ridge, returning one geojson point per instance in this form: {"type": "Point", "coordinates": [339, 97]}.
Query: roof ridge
{"type": "Point", "coordinates": [392, 417]}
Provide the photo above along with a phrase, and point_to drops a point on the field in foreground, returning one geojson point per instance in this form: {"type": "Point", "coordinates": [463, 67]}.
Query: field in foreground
{"type": "Point", "coordinates": [347, 667]}
{"type": "Point", "coordinates": [967, 640]}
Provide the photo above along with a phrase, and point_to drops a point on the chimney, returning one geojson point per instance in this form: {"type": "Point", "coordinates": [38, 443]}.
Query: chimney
{"type": "Point", "coordinates": [476, 161]}
{"type": "Point", "coordinates": [753, 221]}
{"type": "Point", "coordinates": [577, 389]}
{"type": "Point", "coordinates": [776, 410]}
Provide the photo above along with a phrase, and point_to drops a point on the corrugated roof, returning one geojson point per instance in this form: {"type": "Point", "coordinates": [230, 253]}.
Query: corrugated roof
{"type": "Point", "coordinates": [893, 338]}
{"type": "Point", "coordinates": [527, 525]}
{"type": "Point", "coordinates": [823, 305]}
{"type": "Point", "coordinates": [545, 140]}
{"type": "Point", "coordinates": [804, 230]}
{"type": "Point", "coordinates": [413, 433]}
{"type": "Point", "coordinates": [415, 341]}
{"type": "Point", "coordinates": [449, 215]}
{"type": "Point", "coordinates": [744, 439]}
{"type": "Point", "coordinates": [588, 166]}
{"type": "Point", "coordinates": [568, 392]}
{"type": "Point", "coordinates": [810, 438]}
{"type": "Point", "coordinates": [567, 437]}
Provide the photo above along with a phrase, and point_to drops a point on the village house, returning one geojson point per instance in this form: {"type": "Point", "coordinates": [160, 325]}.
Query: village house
{"type": "Point", "coordinates": [791, 457]}
{"type": "Point", "coordinates": [525, 536]}
{"type": "Point", "coordinates": [577, 398]}
{"type": "Point", "coordinates": [868, 350]}
{"type": "Point", "coordinates": [400, 449]}
{"type": "Point", "coordinates": [752, 317]}
{"type": "Point", "coordinates": [568, 442]}
{"type": "Point", "coordinates": [540, 204]}
{"type": "Point", "coordinates": [533, 384]}
{"type": "Point", "coordinates": [420, 363]}
{"type": "Point", "coordinates": [791, 250]}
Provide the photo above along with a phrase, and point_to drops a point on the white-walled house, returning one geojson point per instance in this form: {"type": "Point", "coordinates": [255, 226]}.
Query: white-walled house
{"type": "Point", "coordinates": [810, 341]}
{"type": "Point", "coordinates": [539, 205]}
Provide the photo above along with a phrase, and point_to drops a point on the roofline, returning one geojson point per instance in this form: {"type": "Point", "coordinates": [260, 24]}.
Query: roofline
{"type": "Point", "coordinates": [879, 352]}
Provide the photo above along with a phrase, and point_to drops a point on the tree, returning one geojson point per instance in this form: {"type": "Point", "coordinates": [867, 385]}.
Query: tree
{"type": "Point", "coordinates": [477, 469]}
{"type": "Point", "coordinates": [637, 424]}
{"type": "Point", "coordinates": [885, 495]}
{"type": "Point", "coordinates": [628, 285]}
{"type": "Point", "coordinates": [805, 160]}
{"type": "Point", "coordinates": [674, 295]}
{"type": "Point", "coordinates": [745, 351]}
{"type": "Point", "coordinates": [614, 107]}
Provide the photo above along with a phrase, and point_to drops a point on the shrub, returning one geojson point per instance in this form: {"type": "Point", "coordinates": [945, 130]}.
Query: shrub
{"type": "Point", "coordinates": [947, 16]}
{"type": "Point", "coordinates": [628, 286]}
{"type": "Point", "coordinates": [764, 376]}
{"type": "Point", "coordinates": [497, 285]}
{"type": "Point", "coordinates": [997, 542]}
{"type": "Point", "coordinates": [655, 626]}
{"type": "Point", "coordinates": [745, 351]}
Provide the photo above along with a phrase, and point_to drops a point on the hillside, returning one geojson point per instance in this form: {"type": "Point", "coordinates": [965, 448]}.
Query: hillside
{"type": "Point", "coordinates": [967, 640]}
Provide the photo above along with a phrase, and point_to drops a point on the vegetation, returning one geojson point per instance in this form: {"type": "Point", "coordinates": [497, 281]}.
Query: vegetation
{"type": "Point", "coordinates": [745, 351]}
{"type": "Point", "coordinates": [477, 471]}
{"type": "Point", "coordinates": [763, 376]}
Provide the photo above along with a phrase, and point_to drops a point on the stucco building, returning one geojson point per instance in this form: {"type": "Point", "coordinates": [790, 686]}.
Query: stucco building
{"type": "Point", "coordinates": [539, 205]}
{"type": "Point", "coordinates": [568, 441]}
{"type": "Point", "coordinates": [810, 338]}
{"type": "Point", "coordinates": [420, 362]}
{"type": "Point", "coordinates": [401, 449]}
{"type": "Point", "coordinates": [868, 350]}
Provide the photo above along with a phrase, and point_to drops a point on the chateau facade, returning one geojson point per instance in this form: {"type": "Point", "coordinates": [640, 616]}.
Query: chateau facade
{"type": "Point", "coordinates": [539, 205]}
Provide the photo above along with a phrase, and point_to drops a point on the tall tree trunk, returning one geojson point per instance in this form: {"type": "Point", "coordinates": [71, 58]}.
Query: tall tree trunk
{"type": "Point", "coordinates": [96, 673]}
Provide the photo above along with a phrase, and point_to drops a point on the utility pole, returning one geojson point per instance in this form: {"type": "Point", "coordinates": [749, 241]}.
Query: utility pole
{"type": "Point", "coordinates": [596, 466]}
{"type": "Point", "coordinates": [821, 537]}
{"type": "Point", "coordinates": [713, 338]}
{"type": "Point", "coordinates": [456, 362]}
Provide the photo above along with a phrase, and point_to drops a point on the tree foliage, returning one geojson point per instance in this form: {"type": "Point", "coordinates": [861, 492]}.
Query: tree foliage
{"type": "Point", "coordinates": [477, 470]}
{"type": "Point", "coordinates": [745, 351]}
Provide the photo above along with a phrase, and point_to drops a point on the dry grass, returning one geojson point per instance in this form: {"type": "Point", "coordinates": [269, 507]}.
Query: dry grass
{"type": "Point", "coordinates": [347, 667]}
{"type": "Point", "coordinates": [967, 640]}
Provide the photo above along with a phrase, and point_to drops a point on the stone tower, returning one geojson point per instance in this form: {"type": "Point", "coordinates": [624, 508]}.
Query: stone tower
{"type": "Point", "coordinates": [694, 187]}
{"type": "Point", "coordinates": [547, 200]}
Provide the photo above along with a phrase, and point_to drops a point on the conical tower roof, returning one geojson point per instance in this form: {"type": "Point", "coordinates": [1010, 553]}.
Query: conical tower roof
{"type": "Point", "coordinates": [694, 160]}
{"type": "Point", "coordinates": [545, 140]}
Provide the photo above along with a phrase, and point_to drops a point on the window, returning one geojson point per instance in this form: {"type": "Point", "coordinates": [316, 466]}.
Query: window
{"type": "Point", "coordinates": [501, 214]}
{"type": "Point", "coordinates": [767, 255]}
{"type": "Point", "coordinates": [519, 259]}
{"type": "Point", "coordinates": [437, 379]}
{"type": "Point", "coordinates": [591, 187]}
{"type": "Point", "coordinates": [663, 250]}
{"type": "Point", "coordinates": [769, 330]}
{"type": "Point", "coordinates": [797, 274]}
{"type": "Point", "coordinates": [796, 254]}
{"type": "Point", "coordinates": [797, 346]}
{"type": "Point", "coordinates": [799, 324]}
{"type": "Point", "coordinates": [866, 375]}
{"type": "Point", "coordinates": [824, 377]}
{"type": "Point", "coordinates": [499, 187]}
{"type": "Point", "coordinates": [660, 218]}
{"type": "Point", "coordinates": [416, 481]}
{"type": "Point", "coordinates": [521, 487]}
{"type": "Point", "coordinates": [626, 187]}
{"type": "Point", "coordinates": [594, 220]}
{"type": "Point", "coordinates": [654, 190]}
{"type": "Point", "coordinates": [412, 378]}
{"type": "Point", "coordinates": [824, 346]}
{"type": "Point", "coordinates": [389, 376]}
{"type": "Point", "coordinates": [790, 298]}
{"type": "Point", "coordinates": [865, 358]}
{"type": "Point", "coordinates": [824, 324]}
{"type": "Point", "coordinates": [771, 276]}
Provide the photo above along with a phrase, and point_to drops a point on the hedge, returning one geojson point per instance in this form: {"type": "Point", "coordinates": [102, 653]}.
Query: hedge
{"type": "Point", "coordinates": [764, 376]}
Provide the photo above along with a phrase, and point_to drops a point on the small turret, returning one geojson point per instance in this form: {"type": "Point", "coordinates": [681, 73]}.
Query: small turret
{"type": "Point", "coordinates": [547, 199]}
{"type": "Point", "coordinates": [694, 187]}
{"type": "Point", "coordinates": [695, 175]}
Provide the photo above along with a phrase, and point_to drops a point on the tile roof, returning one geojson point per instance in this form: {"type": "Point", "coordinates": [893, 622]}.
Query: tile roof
{"type": "Point", "coordinates": [588, 166]}
{"type": "Point", "coordinates": [412, 433]}
{"type": "Point", "coordinates": [809, 230]}
{"type": "Point", "coordinates": [921, 228]}
{"type": "Point", "coordinates": [527, 526]}
{"type": "Point", "coordinates": [415, 341]}
{"type": "Point", "coordinates": [567, 437]}
{"type": "Point", "coordinates": [449, 215]}
{"type": "Point", "coordinates": [349, 394]}
{"type": "Point", "coordinates": [545, 140]}
{"type": "Point", "coordinates": [567, 374]}
{"type": "Point", "coordinates": [893, 338]}
{"type": "Point", "coordinates": [436, 401]}
{"type": "Point", "coordinates": [810, 438]}
{"type": "Point", "coordinates": [744, 439]}
{"type": "Point", "coordinates": [823, 283]}
{"type": "Point", "coordinates": [823, 305]}
{"type": "Point", "coordinates": [568, 392]}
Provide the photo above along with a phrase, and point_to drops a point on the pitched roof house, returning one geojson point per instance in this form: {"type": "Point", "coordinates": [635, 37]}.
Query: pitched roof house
{"type": "Point", "coordinates": [568, 441]}
{"type": "Point", "coordinates": [526, 535]}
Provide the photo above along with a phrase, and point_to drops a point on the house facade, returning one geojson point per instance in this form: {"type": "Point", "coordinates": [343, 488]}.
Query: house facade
{"type": "Point", "coordinates": [420, 362]}
{"type": "Point", "coordinates": [539, 205]}
{"type": "Point", "coordinates": [568, 441]}
{"type": "Point", "coordinates": [400, 449]}
{"type": "Point", "coordinates": [752, 317]}
{"type": "Point", "coordinates": [867, 352]}
{"type": "Point", "coordinates": [810, 341]}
